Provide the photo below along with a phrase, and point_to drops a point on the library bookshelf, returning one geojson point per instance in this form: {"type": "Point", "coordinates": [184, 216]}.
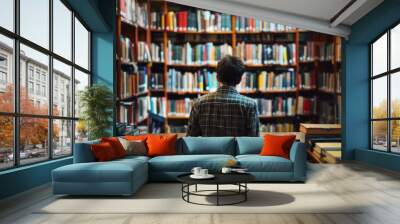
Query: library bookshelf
{"type": "Point", "coordinates": [146, 46]}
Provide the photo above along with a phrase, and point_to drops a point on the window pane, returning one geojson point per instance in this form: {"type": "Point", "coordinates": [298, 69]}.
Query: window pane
{"type": "Point", "coordinates": [379, 97]}
{"type": "Point", "coordinates": [7, 14]}
{"type": "Point", "coordinates": [81, 131]}
{"type": "Point", "coordinates": [379, 55]}
{"type": "Point", "coordinates": [62, 89]}
{"type": "Point", "coordinates": [395, 136]}
{"type": "Point", "coordinates": [62, 138]}
{"type": "Point", "coordinates": [395, 95]}
{"type": "Point", "coordinates": [6, 74]}
{"type": "Point", "coordinates": [81, 81]}
{"type": "Point", "coordinates": [35, 21]}
{"type": "Point", "coordinates": [379, 135]}
{"type": "Point", "coordinates": [81, 45]}
{"type": "Point", "coordinates": [33, 139]}
{"type": "Point", "coordinates": [62, 29]}
{"type": "Point", "coordinates": [395, 47]}
{"type": "Point", "coordinates": [34, 72]}
{"type": "Point", "coordinates": [6, 142]}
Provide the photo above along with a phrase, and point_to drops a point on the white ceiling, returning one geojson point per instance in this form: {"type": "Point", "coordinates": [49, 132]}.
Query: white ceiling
{"type": "Point", "coordinates": [315, 15]}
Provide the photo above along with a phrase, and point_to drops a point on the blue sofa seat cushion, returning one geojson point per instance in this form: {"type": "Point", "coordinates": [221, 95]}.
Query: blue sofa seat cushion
{"type": "Point", "coordinates": [257, 163]}
{"type": "Point", "coordinates": [185, 163]}
{"type": "Point", "coordinates": [206, 145]}
{"type": "Point", "coordinates": [112, 171]}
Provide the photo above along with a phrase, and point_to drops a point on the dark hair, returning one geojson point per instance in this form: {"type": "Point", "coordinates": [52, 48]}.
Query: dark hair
{"type": "Point", "coordinates": [230, 70]}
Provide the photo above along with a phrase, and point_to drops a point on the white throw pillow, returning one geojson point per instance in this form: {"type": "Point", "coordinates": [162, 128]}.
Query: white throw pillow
{"type": "Point", "coordinates": [137, 148]}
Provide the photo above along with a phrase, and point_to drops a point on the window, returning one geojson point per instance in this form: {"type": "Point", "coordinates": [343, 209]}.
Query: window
{"type": "Point", "coordinates": [47, 76]}
{"type": "Point", "coordinates": [385, 95]}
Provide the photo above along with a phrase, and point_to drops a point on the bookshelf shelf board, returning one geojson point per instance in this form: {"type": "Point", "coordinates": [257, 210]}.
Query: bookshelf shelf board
{"type": "Point", "coordinates": [192, 66]}
{"type": "Point", "coordinates": [269, 66]}
{"type": "Point", "coordinates": [265, 32]}
{"type": "Point", "coordinates": [303, 90]}
{"type": "Point", "coordinates": [201, 32]}
{"type": "Point", "coordinates": [156, 30]}
{"type": "Point", "coordinates": [186, 92]}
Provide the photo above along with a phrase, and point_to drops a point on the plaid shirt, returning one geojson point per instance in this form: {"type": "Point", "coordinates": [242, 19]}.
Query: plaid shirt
{"type": "Point", "coordinates": [224, 113]}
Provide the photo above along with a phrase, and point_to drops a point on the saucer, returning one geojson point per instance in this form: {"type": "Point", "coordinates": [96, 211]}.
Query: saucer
{"type": "Point", "coordinates": [208, 176]}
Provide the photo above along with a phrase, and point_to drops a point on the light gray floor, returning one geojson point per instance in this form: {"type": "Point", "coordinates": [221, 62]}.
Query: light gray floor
{"type": "Point", "coordinates": [379, 189]}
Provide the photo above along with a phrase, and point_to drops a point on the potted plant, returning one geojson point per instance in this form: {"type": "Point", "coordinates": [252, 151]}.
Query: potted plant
{"type": "Point", "coordinates": [96, 103]}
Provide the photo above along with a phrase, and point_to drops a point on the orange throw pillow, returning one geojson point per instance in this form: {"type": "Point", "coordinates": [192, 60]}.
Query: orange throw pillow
{"type": "Point", "coordinates": [103, 152]}
{"type": "Point", "coordinates": [116, 145]}
{"type": "Point", "coordinates": [136, 137]}
{"type": "Point", "coordinates": [277, 145]}
{"type": "Point", "coordinates": [161, 145]}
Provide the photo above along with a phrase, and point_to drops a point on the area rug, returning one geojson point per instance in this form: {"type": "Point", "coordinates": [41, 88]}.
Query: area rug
{"type": "Point", "coordinates": [166, 198]}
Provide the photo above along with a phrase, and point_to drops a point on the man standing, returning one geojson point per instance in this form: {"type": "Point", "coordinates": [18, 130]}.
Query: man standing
{"type": "Point", "coordinates": [225, 112]}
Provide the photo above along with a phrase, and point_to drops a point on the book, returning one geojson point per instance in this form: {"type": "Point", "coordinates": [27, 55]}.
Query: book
{"type": "Point", "coordinates": [126, 85]}
{"type": "Point", "coordinates": [306, 105]}
{"type": "Point", "coordinates": [142, 15]}
{"type": "Point", "coordinates": [320, 129]}
{"type": "Point", "coordinates": [126, 49]}
{"type": "Point", "coordinates": [197, 81]}
{"type": "Point", "coordinates": [277, 127]}
{"type": "Point", "coordinates": [157, 52]}
{"type": "Point", "coordinates": [329, 152]}
{"type": "Point", "coordinates": [327, 82]}
{"type": "Point", "coordinates": [307, 80]}
{"type": "Point", "coordinates": [142, 108]}
{"type": "Point", "coordinates": [142, 79]}
{"type": "Point", "coordinates": [268, 54]}
{"type": "Point", "coordinates": [277, 106]}
{"type": "Point", "coordinates": [124, 113]}
{"type": "Point", "coordinates": [156, 81]}
{"type": "Point", "coordinates": [199, 54]}
{"type": "Point", "coordinates": [198, 20]}
{"type": "Point", "coordinates": [128, 10]}
{"type": "Point", "coordinates": [179, 107]}
{"type": "Point", "coordinates": [157, 20]}
{"type": "Point", "coordinates": [157, 105]}
{"type": "Point", "coordinates": [316, 50]}
{"type": "Point", "coordinates": [143, 52]}
{"type": "Point", "coordinates": [268, 81]}
{"type": "Point", "coordinates": [248, 24]}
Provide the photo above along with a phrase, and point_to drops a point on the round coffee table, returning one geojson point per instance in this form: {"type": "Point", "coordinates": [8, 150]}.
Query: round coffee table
{"type": "Point", "coordinates": [238, 179]}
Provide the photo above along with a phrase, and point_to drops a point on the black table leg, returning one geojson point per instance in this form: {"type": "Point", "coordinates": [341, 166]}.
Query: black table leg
{"type": "Point", "coordinates": [196, 187]}
{"type": "Point", "coordinates": [217, 194]}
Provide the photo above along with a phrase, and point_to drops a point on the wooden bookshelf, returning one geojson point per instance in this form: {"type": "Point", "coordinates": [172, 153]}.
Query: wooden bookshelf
{"type": "Point", "coordinates": [147, 34]}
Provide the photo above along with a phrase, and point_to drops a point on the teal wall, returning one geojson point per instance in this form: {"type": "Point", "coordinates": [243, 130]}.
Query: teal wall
{"type": "Point", "coordinates": [356, 85]}
{"type": "Point", "coordinates": [99, 15]}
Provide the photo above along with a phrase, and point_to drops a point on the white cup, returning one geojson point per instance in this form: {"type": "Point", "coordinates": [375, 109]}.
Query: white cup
{"type": "Point", "coordinates": [196, 171]}
{"type": "Point", "coordinates": [226, 170]}
{"type": "Point", "coordinates": [203, 172]}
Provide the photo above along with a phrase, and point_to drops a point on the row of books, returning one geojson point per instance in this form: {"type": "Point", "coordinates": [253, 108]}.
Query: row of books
{"type": "Point", "coordinates": [307, 80]}
{"type": "Point", "coordinates": [126, 85]}
{"type": "Point", "coordinates": [306, 105]}
{"type": "Point", "coordinates": [198, 81]}
{"type": "Point", "coordinates": [327, 82]}
{"type": "Point", "coordinates": [157, 105]}
{"type": "Point", "coordinates": [157, 81]}
{"type": "Point", "coordinates": [128, 10]}
{"type": "Point", "coordinates": [268, 81]}
{"type": "Point", "coordinates": [142, 80]}
{"type": "Point", "coordinates": [277, 127]}
{"type": "Point", "coordinates": [321, 51]}
{"type": "Point", "coordinates": [142, 108]}
{"type": "Point", "coordinates": [142, 15]}
{"type": "Point", "coordinates": [195, 20]}
{"type": "Point", "coordinates": [126, 49]}
{"type": "Point", "coordinates": [157, 52]}
{"type": "Point", "coordinates": [199, 54]}
{"type": "Point", "coordinates": [245, 24]}
{"type": "Point", "coordinates": [277, 106]}
{"type": "Point", "coordinates": [258, 54]}
{"type": "Point", "coordinates": [179, 107]}
{"type": "Point", "coordinates": [143, 52]}
{"type": "Point", "coordinates": [124, 113]}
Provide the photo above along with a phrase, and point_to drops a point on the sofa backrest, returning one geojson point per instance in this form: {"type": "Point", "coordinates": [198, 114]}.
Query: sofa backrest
{"type": "Point", "coordinates": [249, 145]}
{"type": "Point", "coordinates": [206, 145]}
{"type": "Point", "coordinates": [83, 152]}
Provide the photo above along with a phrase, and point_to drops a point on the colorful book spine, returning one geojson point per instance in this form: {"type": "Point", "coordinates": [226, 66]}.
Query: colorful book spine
{"type": "Point", "coordinates": [128, 10]}
{"type": "Point", "coordinates": [126, 49]}
{"type": "Point", "coordinates": [198, 81]}
{"type": "Point", "coordinates": [306, 105]}
{"type": "Point", "coordinates": [157, 105]}
{"type": "Point", "coordinates": [142, 15]}
{"type": "Point", "coordinates": [277, 127]}
{"type": "Point", "coordinates": [278, 106]}
{"type": "Point", "coordinates": [126, 85]}
{"type": "Point", "coordinates": [197, 21]}
{"type": "Point", "coordinates": [246, 24]}
{"type": "Point", "coordinates": [179, 107]}
{"type": "Point", "coordinates": [320, 51]}
{"type": "Point", "coordinates": [268, 81]}
{"type": "Point", "coordinates": [157, 21]}
{"type": "Point", "coordinates": [143, 52]}
{"type": "Point", "coordinates": [157, 52]}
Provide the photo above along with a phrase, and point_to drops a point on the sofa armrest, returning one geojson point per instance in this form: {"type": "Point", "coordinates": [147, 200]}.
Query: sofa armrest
{"type": "Point", "coordinates": [298, 155]}
{"type": "Point", "coordinates": [83, 152]}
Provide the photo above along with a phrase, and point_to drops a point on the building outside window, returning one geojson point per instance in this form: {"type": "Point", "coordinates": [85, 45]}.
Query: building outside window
{"type": "Point", "coordinates": [56, 129]}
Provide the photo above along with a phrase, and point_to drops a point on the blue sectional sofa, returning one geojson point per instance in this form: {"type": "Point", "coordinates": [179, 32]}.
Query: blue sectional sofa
{"type": "Point", "coordinates": [125, 176]}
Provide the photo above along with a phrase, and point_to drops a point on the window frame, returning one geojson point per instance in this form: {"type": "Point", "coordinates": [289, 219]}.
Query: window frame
{"type": "Point", "coordinates": [15, 68]}
{"type": "Point", "coordinates": [388, 74]}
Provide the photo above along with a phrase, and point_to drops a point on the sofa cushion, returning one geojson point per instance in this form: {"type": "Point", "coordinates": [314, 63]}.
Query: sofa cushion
{"type": "Point", "coordinates": [249, 145]}
{"type": "Point", "coordinates": [83, 152]}
{"type": "Point", "coordinates": [103, 152]}
{"type": "Point", "coordinates": [257, 163]}
{"type": "Point", "coordinates": [185, 163]}
{"type": "Point", "coordinates": [161, 144]}
{"type": "Point", "coordinates": [116, 145]}
{"type": "Point", "coordinates": [206, 145]}
{"type": "Point", "coordinates": [112, 171]}
{"type": "Point", "coordinates": [277, 145]}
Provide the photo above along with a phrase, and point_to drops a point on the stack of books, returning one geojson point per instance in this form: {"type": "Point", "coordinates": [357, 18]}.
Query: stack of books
{"type": "Point", "coordinates": [307, 80]}
{"type": "Point", "coordinates": [128, 10]}
{"type": "Point", "coordinates": [156, 81]}
{"type": "Point", "coordinates": [268, 81]}
{"type": "Point", "coordinates": [157, 106]}
{"type": "Point", "coordinates": [246, 24]}
{"type": "Point", "coordinates": [200, 54]}
{"type": "Point", "coordinates": [278, 106]}
{"type": "Point", "coordinates": [179, 107]}
{"type": "Point", "coordinates": [198, 21]}
{"type": "Point", "coordinates": [277, 127]}
{"type": "Point", "coordinates": [327, 152]}
{"type": "Point", "coordinates": [143, 52]}
{"type": "Point", "coordinates": [268, 54]}
{"type": "Point", "coordinates": [126, 50]}
{"type": "Point", "coordinates": [327, 82]}
{"type": "Point", "coordinates": [306, 105]}
{"type": "Point", "coordinates": [157, 52]}
{"type": "Point", "coordinates": [197, 81]}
